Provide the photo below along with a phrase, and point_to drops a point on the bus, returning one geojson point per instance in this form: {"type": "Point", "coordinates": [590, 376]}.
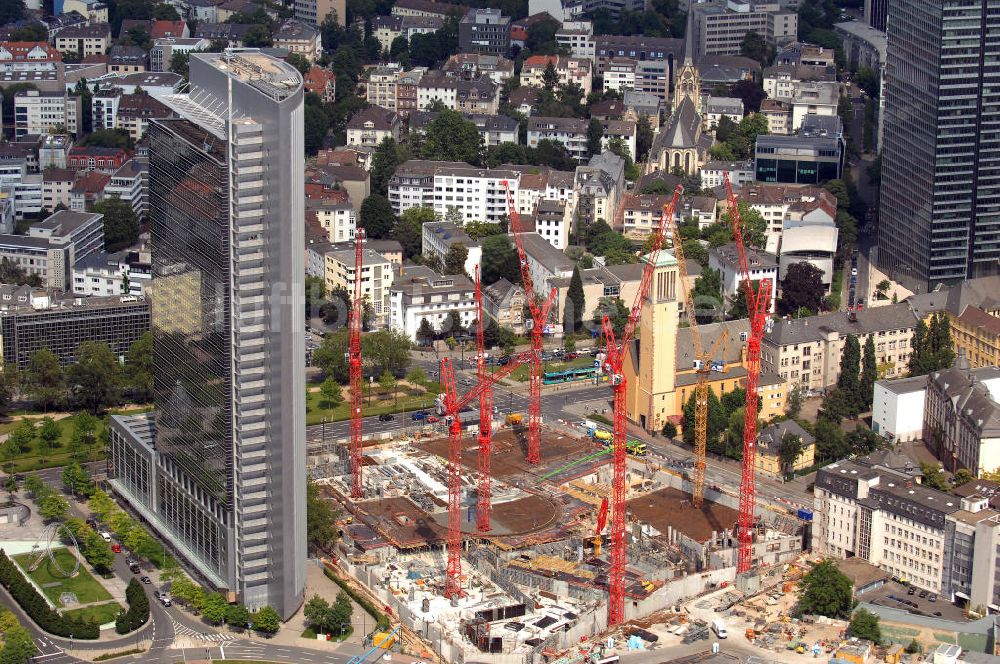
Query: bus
{"type": "Point", "coordinates": [569, 375]}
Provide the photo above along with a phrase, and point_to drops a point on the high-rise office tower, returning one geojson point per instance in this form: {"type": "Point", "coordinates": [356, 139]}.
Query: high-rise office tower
{"type": "Point", "coordinates": [219, 470]}
{"type": "Point", "coordinates": [876, 12]}
{"type": "Point", "coordinates": [940, 196]}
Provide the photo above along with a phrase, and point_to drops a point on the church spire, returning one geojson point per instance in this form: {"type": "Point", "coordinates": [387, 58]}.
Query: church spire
{"type": "Point", "coordinates": [688, 83]}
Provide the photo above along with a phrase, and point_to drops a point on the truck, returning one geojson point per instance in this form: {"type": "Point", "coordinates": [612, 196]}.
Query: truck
{"type": "Point", "coordinates": [719, 627]}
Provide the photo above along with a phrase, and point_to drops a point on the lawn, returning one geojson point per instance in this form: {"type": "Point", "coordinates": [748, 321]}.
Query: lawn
{"type": "Point", "coordinates": [378, 404]}
{"type": "Point", "coordinates": [86, 588]}
{"type": "Point", "coordinates": [101, 614]}
{"type": "Point", "coordinates": [31, 460]}
{"type": "Point", "coordinates": [521, 373]}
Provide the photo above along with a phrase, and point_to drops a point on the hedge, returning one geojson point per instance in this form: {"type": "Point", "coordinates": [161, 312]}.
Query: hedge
{"type": "Point", "coordinates": [381, 619]}
{"type": "Point", "coordinates": [38, 609]}
{"type": "Point", "coordinates": [138, 608]}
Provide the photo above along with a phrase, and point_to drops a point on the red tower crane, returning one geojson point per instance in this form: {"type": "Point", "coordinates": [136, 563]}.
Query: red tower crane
{"type": "Point", "coordinates": [354, 361]}
{"type": "Point", "coordinates": [758, 307]}
{"type": "Point", "coordinates": [453, 404]}
{"type": "Point", "coordinates": [485, 417]}
{"type": "Point", "coordinates": [616, 359]}
{"type": "Point", "coordinates": [539, 316]}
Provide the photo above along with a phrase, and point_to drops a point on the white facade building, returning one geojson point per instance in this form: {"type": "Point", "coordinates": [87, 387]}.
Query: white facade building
{"type": "Point", "coordinates": [898, 408]}
{"type": "Point", "coordinates": [726, 260]}
{"type": "Point", "coordinates": [422, 294]}
{"type": "Point", "coordinates": [477, 194]}
{"type": "Point", "coordinates": [37, 112]}
{"type": "Point", "coordinates": [438, 237]}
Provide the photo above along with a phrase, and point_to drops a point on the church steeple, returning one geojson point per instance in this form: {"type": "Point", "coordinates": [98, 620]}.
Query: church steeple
{"type": "Point", "coordinates": [688, 83]}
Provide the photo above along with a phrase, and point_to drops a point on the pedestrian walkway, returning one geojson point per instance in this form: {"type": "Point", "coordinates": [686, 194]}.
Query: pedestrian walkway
{"type": "Point", "coordinates": [185, 631]}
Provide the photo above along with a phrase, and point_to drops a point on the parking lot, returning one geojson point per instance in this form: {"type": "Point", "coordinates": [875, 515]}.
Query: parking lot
{"type": "Point", "coordinates": [896, 595]}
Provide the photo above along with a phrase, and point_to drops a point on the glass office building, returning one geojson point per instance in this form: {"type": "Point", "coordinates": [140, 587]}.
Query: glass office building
{"type": "Point", "coordinates": [939, 218]}
{"type": "Point", "coordinates": [223, 459]}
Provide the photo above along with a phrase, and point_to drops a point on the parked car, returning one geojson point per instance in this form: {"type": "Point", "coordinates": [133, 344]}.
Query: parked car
{"type": "Point", "coordinates": [504, 361]}
{"type": "Point", "coordinates": [116, 548]}
{"type": "Point", "coordinates": [571, 356]}
{"type": "Point", "coordinates": [419, 415]}
{"type": "Point", "coordinates": [433, 418]}
{"type": "Point", "coordinates": [911, 590]}
{"type": "Point", "coordinates": [134, 567]}
{"type": "Point", "coordinates": [932, 597]}
{"type": "Point", "coordinates": [163, 598]}
{"type": "Point", "coordinates": [92, 522]}
{"type": "Point", "coordinates": [923, 594]}
{"type": "Point", "coordinates": [145, 579]}
{"type": "Point", "coordinates": [385, 417]}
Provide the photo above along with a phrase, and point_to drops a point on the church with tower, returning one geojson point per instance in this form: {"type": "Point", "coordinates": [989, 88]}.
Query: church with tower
{"type": "Point", "coordinates": [681, 146]}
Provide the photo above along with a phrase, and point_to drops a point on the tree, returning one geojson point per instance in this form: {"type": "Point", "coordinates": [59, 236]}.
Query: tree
{"type": "Point", "coordinates": [962, 476]}
{"type": "Point", "coordinates": [76, 479]}
{"type": "Point", "coordinates": [12, 273]}
{"type": "Point", "coordinates": [575, 303]}
{"type": "Point", "coordinates": [450, 137]}
{"type": "Point", "coordinates": [616, 312]}
{"type": "Point", "coordinates": [386, 350]}
{"type": "Point", "coordinates": [237, 616]}
{"type": "Point", "coordinates": [386, 382]}
{"type": "Point", "coordinates": [53, 507]}
{"type": "Point", "coordinates": [869, 374]}
{"type": "Point", "coordinates": [321, 531]}
{"type": "Point", "coordinates": [121, 224]}
{"type": "Point", "coordinates": [643, 138]}
{"type": "Point", "coordinates": [750, 92]}
{"type": "Point", "coordinates": [330, 355]}
{"type": "Point", "coordinates": [266, 620]}
{"type": "Point", "coordinates": [23, 436]}
{"type": "Point", "coordinates": [409, 229]}
{"type": "Point", "coordinates": [595, 132]}
{"type": "Point", "coordinates": [454, 260]}
{"type": "Point", "coordinates": [139, 367]}
{"type": "Point", "coordinates": [550, 77]}
{"type": "Point", "coordinates": [882, 288]}
{"type": "Point", "coordinates": [416, 376]}
{"type": "Point", "coordinates": [934, 477]}
{"type": "Point", "coordinates": [717, 421]}
{"type": "Point", "coordinates": [793, 405]}
{"type": "Point", "coordinates": [802, 287]}
{"type": "Point", "coordinates": [864, 625]}
{"type": "Point", "coordinates": [9, 381]}
{"type": "Point", "coordinates": [830, 443]}
{"type": "Point", "coordinates": [108, 138]}
{"type": "Point", "coordinates": [101, 505]}
{"type": "Point", "coordinates": [826, 591]}
{"type": "Point", "coordinates": [706, 296]}
{"type": "Point", "coordinates": [96, 376]}
{"type": "Point", "coordinates": [850, 372]}
{"type": "Point", "coordinates": [789, 450]}
{"type": "Point", "coordinates": [83, 438]}
{"type": "Point", "coordinates": [499, 260]}
{"type": "Point", "coordinates": [331, 392]}
{"type": "Point", "coordinates": [377, 217]}
{"type": "Point", "coordinates": [300, 62]}
{"type": "Point", "coordinates": [258, 36]}
{"type": "Point", "coordinates": [425, 332]}
{"type": "Point", "coordinates": [12, 11]}
{"type": "Point", "coordinates": [384, 164]}
{"type": "Point", "coordinates": [755, 47]}
{"type": "Point", "coordinates": [44, 378]}
{"type": "Point", "coordinates": [315, 126]}
{"type": "Point", "coordinates": [214, 607]}
{"type": "Point", "coordinates": [318, 612]}
{"type": "Point", "coordinates": [18, 645]}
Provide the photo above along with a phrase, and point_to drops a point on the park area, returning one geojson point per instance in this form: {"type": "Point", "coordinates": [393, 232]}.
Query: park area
{"type": "Point", "coordinates": [380, 397]}
{"type": "Point", "coordinates": [54, 583]}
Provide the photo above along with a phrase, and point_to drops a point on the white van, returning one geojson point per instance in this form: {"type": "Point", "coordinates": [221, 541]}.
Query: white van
{"type": "Point", "coordinates": [719, 627]}
{"type": "Point", "coordinates": [106, 536]}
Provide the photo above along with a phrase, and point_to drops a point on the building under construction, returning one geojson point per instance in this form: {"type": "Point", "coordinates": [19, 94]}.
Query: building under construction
{"type": "Point", "coordinates": [536, 569]}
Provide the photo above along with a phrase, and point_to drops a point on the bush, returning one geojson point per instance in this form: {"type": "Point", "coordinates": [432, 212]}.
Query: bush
{"type": "Point", "coordinates": [37, 608]}
{"type": "Point", "coordinates": [138, 608]}
{"type": "Point", "coordinates": [370, 609]}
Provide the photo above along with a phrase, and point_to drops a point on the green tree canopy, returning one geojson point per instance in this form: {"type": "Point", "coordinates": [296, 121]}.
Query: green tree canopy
{"type": "Point", "coordinates": [801, 288]}
{"type": "Point", "coordinates": [377, 217]}
{"type": "Point", "coordinates": [450, 137]}
{"type": "Point", "coordinates": [95, 380]}
{"type": "Point", "coordinates": [454, 260]}
{"type": "Point", "coordinates": [499, 260]}
{"type": "Point", "coordinates": [575, 303]}
{"type": "Point", "coordinates": [826, 591]}
{"type": "Point", "coordinates": [44, 378]}
{"type": "Point", "coordinates": [864, 625]}
{"type": "Point", "coordinates": [121, 224]}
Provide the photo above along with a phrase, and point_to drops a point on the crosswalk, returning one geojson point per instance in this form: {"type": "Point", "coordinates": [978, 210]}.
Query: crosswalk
{"type": "Point", "coordinates": [214, 637]}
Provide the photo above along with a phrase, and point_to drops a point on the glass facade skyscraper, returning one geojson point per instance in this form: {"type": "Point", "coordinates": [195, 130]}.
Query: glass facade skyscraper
{"type": "Point", "coordinates": [225, 450]}
{"type": "Point", "coordinates": [940, 194]}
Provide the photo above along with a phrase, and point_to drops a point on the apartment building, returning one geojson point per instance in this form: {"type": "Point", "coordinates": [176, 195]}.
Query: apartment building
{"type": "Point", "coordinates": [372, 125]}
{"type": "Point", "coordinates": [494, 129]}
{"type": "Point", "coordinates": [96, 158]}
{"type": "Point", "coordinates": [381, 88]}
{"type": "Point", "coordinates": [471, 65]}
{"type": "Point", "coordinates": [641, 214]}
{"type": "Point", "coordinates": [130, 183]}
{"type": "Point", "coordinates": [599, 187]}
{"type": "Point", "coordinates": [84, 231]}
{"type": "Point", "coordinates": [577, 37]}
{"type": "Point", "coordinates": [789, 204]}
{"type": "Point", "coordinates": [636, 47]}
{"type": "Point", "coordinates": [504, 302]}
{"type": "Point", "coordinates": [37, 112]}
{"type": "Point", "coordinates": [812, 98]}
{"type": "Point", "coordinates": [48, 259]}
{"type": "Point", "coordinates": [426, 8]}
{"type": "Point", "coordinates": [88, 188]}
{"type": "Point", "coordinates": [962, 418]}
{"type": "Point", "coordinates": [572, 134]}
{"type": "Point", "coordinates": [56, 186]}
{"type": "Point", "coordinates": [717, 108]}
{"type": "Point", "coordinates": [127, 59]}
{"type": "Point", "coordinates": [376, 278]}
{"type": "Point", "coordinates": [316, 11]}
{"type": "Point", "coordinates": [620, 74]}
{"type": "Point", "coordinates": [477, 194]}
{"type": "Point", "coordinates": [898, 408]}
{"type": "Point", "coordinates": [578, 71]}
{"type": "Point", "coordinates": [322, 82]}
{"type": "Point", "coordinates": [421, 294]}
{"type": "Point", "coordinates": [543, 183]}
{"type": "Point", "coordinates": [135, 112]}
{"type": "Point", "coordinates": [974, 314]}
{"type": "Point", "coordinates": [412, 185]}
{"type": "Point", "coordinates": [779, 116]}
{"type": "Point", "coordinates": [806, 351]}
{"type": "Point", "coordinates": [545, 262]}
{"type": "Point", "coordinates": [478, 94]}
{"type": "Point", "coordinates": [781, 80]}
{"type": "Point", "coordinates": [165, 48]}
{"type": "Point", "coordinates": [299, 37]}
{"type": "Point", "coordinates": [337, 218]}
{"type": "Point", "coordinates": [84, 40]}
{"type": "Point", "coordinates": [103, 275]}
{"type": "Point", "coordinates": [725, 259]}
{"type": "Point", "coordinates": [740, 173]}
{"type": "Point", "coordinates": [28, 57]}
{"type": "Point", "coordinates": [720, 27]}
{"type": "Point", "coordinates": [437, 238]}
{"type": "Point", "coordinates": [553, 220]}
{"type": "Point", "coordinates": [484, 30]}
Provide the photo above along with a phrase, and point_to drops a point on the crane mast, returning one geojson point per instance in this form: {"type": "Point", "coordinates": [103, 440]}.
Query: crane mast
{"type": "Point", "coordinates": [354, 363]}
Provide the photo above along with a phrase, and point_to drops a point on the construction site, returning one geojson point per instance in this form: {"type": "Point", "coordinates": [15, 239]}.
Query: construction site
{"type": "Point", "coordinates": [510, 540]}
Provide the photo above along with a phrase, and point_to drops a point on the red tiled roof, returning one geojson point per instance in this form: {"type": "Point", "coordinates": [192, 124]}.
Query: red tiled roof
{"type": "Point", "coordinates": [20, 50]}
{"type": "Point", "coordinates": [162, 29]}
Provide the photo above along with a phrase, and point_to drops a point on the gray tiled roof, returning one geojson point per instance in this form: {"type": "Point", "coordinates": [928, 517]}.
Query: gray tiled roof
{"type": "Point", "coordinates": [815, 328]}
